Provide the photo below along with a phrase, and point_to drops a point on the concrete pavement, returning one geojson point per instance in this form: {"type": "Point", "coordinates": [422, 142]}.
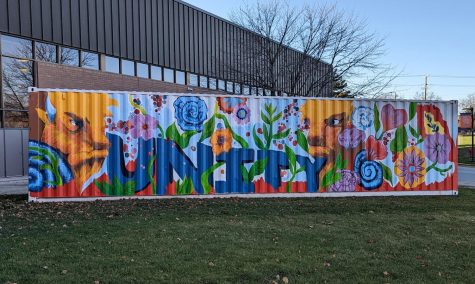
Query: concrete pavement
{"type": "Point", "coordinates": [18, 185]}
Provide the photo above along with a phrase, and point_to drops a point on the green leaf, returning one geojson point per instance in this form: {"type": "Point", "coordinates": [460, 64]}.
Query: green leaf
{"type": "Point", "coordinates": [257, 168]}
{"type": "Point", "coordinates": [277, 117]}
{"type": "Point", "coordinates": [266, 133]}
{"type": "Point", "coordinates": [240, 140]}
{"type": "Point", "coordinates": [150, 174]}
{"type": "Point", "coordinates": [387, 173]}
{"type": "Point", "coordinates": [172, 133]}
{"type": "Point", "coordinates": [412, 110]}
{"type": "Point", "coordinates": [268, 108]}
{"type": "Point", "coordinates": [345, 163]}
{"type": "Point", "coordinates": [205, 175]}
{"type": "Point", "coordinates": [338, 161]}
{"type": "Point", "coordinates": [257, 140]}
{"type": "Point", "coordinates": [265, 118]}
{"type": "Point", "coordinates": [281, 135]}
{"type": "Point", "coordinates": [245, 174]}
{"type": "Point", "coordinates": [400, 140]}
{"type": "Point", "coordinates": [104, 187]}
{"type": "Point", "coordinates": [302, 140]}
{"type": "Point", "coordinates": [330, 178]}
{"type": "Point", "coordinates": [185, 187]}
{"type": "Point", "coordinates": [185, 137]}
{"type": "Point", "coordinates": [301, 169]}
{"type": "Point", "coordinates": [377, 122]}
{"type": "Point", "coordinates": [141, 109]}
{"type": "Point", "coordinates": [414, 133]}
{"type": "Point", "coordinates": [208, 128]}
{"type": "Point", "coordinates": [129, 188]}
{"type": "Point", "coordinates": [292, 159]}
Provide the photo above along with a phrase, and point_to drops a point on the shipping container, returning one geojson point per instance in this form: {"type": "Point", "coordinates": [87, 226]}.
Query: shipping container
{"type": "Point", "coordinates": [86, 145]}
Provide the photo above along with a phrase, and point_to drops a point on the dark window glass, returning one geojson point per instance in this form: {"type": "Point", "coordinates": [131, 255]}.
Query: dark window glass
{"type": "Point", "coordinates": [69, 56]}
{"type": "Point", "coordinates": [112, 64]}
{"type": "Point", "coordinates": [180, 77]}
{"type": "Point", "coordinates": [212, 83]}
{"type": "Point", "coordinates": [90, 60]}
{"type": "Point", "coordinates": [192, 79]}
{"type": "Point", "coordinates": [168, 74]}
{"type": "Point", "coordinates": [237, 88]}
{"type": "Point", "coordinates": [16, 47]}
{"type": "Point", "coordinates": [17, 77]}
{"type": "Point", "coordinates": [128, 67]}
{"type": "Point", "coordinates": [222, 85]}
{"type": "Point", "coordinates": [45, 52]}
{"type": "Point", "coordinates": [156, 73]}
{"type": "Point", "coordinates": [16, 119]}
{"type": "Point", "coordinates": [229, 87]}
{"type": "Point", "coordinates": [142, 70]}
{"type": "Point", "coordinates": [203, 82]}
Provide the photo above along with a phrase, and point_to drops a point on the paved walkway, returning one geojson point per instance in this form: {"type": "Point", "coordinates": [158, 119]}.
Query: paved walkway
{"type": "Point", "coordinates": [17, 185]}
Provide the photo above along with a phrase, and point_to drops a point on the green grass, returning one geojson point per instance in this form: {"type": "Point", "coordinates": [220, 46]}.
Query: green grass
{"type": "Point", "coordinates": [380, 240]}
{"type": "Point", "coordinates": [465, 144]}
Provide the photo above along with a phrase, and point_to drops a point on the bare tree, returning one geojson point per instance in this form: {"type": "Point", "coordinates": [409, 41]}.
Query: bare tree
{"type": "Point", "coordinates": [467, 102]}
{"type": "Point", "coordinates": [319, 34]}
{"type": "Point", "coordinates": [431, 96]}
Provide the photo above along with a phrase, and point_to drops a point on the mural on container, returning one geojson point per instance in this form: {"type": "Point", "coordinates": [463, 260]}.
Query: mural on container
{"type": "Point", "coordinates": [119, 144]}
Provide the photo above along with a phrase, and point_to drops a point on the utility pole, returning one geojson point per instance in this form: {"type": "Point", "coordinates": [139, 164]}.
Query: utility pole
{"type": "Point", "coordinates": [425, 88]}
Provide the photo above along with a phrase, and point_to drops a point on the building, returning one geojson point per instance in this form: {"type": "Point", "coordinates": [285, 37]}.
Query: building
{"type": "Point", "coordinates": [142, 45]}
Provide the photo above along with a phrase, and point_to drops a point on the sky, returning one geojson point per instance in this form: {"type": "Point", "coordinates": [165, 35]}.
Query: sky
{"type": "Point", "coordinates": [422, 37]}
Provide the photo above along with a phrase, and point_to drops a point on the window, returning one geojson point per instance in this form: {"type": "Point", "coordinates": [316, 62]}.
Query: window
{"type": "Point", "coordinates": [112, 64]}
{"type": "Point", "coordinates": [245, 90]}
{"type": "Point", "coordinates": [260, 92]}
{"type": "Point", "coordinates": [212, 83]}
{"type": "Point", "coordinates": [69, 56]}
{"type": "Point", "coordinates": [268, 92]}
{"type": "Point", "coordinates": [156, 73]}
{"type": "Point", "coordinates": [229, 87]}
{"type": "Point", "coordinates": [128, 67]}
{"type": "Point", "coordinates": [192, 79]}
{"type": "Point", "coordinates": [253, 91]}
{"type": "Point", "coordinates": [222, 85]}
{"type": "Point", "coordinates": [90, 60]}
{"type": "Point", "coordinates": [180, 77]}
{"type": "Point", "coordinates": [45, 52]}
{"type": "Point", "coordinates": [142, 70]}
{"type": "Point", "coordinates": [168, 75]}
{"type": "Point", "coordinates": [203, 82]}
{"type": "Point", "coordinates": [237, 88]}
{"type": "Point", "coordinates": [16, 47]}
{"type": "Point", "coordinates": [17, 77]}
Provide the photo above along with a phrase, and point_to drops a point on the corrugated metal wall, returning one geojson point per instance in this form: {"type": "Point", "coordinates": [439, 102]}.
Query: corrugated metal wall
{"type": "Point", "coordinates": [164, 32]}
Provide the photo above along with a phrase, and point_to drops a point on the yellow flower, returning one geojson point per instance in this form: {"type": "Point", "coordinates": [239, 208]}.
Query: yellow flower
{"type": "Point", "coordinates": [410, 167]}
{"type": "Point", "coordinates": [221, 141]}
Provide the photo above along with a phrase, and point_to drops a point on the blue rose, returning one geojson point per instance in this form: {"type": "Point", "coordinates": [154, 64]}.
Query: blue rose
{"type": "Point", "coordinates": [190, 112]}
{"type": "Point", "coordinates": [369, 172]}
{"type": "Point", "coordinates": [47, 167]}
{"type": "Point", "coordinates": [363, 117]}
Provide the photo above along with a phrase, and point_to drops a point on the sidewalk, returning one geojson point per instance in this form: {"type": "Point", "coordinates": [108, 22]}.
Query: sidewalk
{"type": "Point", "coordinates": [14, 185]}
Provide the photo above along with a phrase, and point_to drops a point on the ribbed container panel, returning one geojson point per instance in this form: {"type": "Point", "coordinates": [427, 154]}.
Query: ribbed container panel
{"type": "Point", "coordinates": [93, 144]}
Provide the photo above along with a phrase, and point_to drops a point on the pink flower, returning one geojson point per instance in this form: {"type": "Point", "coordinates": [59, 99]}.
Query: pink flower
{"type": "Point", "coordinates": [375, 150]}
{"type": "Point", "coordinates": [242, 114]}
{"type": "Point", "coordinates": [142, 126]}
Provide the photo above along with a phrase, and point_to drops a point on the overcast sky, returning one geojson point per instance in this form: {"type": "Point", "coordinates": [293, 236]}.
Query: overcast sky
{"type": "Point", "coordinates": [435, 37]}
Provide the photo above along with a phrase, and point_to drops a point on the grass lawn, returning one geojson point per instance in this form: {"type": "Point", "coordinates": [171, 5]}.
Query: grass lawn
{"type": "Point", "coordinates": [381, 240]}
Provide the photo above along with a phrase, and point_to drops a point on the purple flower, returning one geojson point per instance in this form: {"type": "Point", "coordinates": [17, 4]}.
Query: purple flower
{"type": "Point", "coordinates": [410, 167]}
{"type": "Point", "coordinates": [142, 126]}
{"type": "Point", "coordinates": [347, 183]}
{"type": "Point", "coordinates": [351, 138]}
{"type": "Point", "coordinates": [241, 114]}
{"type": "Point", "coordinates": [437, 148]}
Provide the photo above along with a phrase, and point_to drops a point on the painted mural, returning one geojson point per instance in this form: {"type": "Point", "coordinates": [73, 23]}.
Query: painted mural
{"type": "Point", "coordinates": [129, 144]}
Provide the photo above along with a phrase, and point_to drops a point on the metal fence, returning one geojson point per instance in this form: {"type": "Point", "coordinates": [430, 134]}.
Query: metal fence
{"type": "Point", "coordinates": [13, 152]}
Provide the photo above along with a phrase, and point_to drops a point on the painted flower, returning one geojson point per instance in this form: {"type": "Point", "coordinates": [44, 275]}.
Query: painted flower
{"type": "Point", "coordinates": [392, 118]}
{"type": "Point", "coordinates": [142, 126]}
{"type": "Point", "coordinates": [363, 117]}
{"type": "Point", "coordinates": [410, 167]}
{"type": "Point", "coordinates": [437, 148]}
{"type": "Point", "coordinates": [369, 172]}
{"type": "Point", "coordinates": [190, 113]}
{"type": "Point", "coordinates": [227, 104]}
{"type": "Point", "coordinates": [351, 138]}
{"type": "Point", "coordinates": [47, 167]}
{"type": "Point", "coordinates": [430, 120]}
{"type": "Point", "coordinates": [242, 114]}
{"type": "Point", "coordinates": [375, 150]}
{"type": "Point", "coordinates": [221, 141]}
{"type": "Point", "coordinates": [347, 183]}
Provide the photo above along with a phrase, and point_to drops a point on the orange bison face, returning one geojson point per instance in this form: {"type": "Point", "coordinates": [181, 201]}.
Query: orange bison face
{"type": "Point", "coordinates": [327, 119]}
{"type": "Point", "coordinates": [76, 129]}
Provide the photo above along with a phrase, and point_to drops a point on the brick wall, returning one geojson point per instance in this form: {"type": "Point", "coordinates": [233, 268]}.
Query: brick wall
{"type": "Point", "coordinates": [66, 77]}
